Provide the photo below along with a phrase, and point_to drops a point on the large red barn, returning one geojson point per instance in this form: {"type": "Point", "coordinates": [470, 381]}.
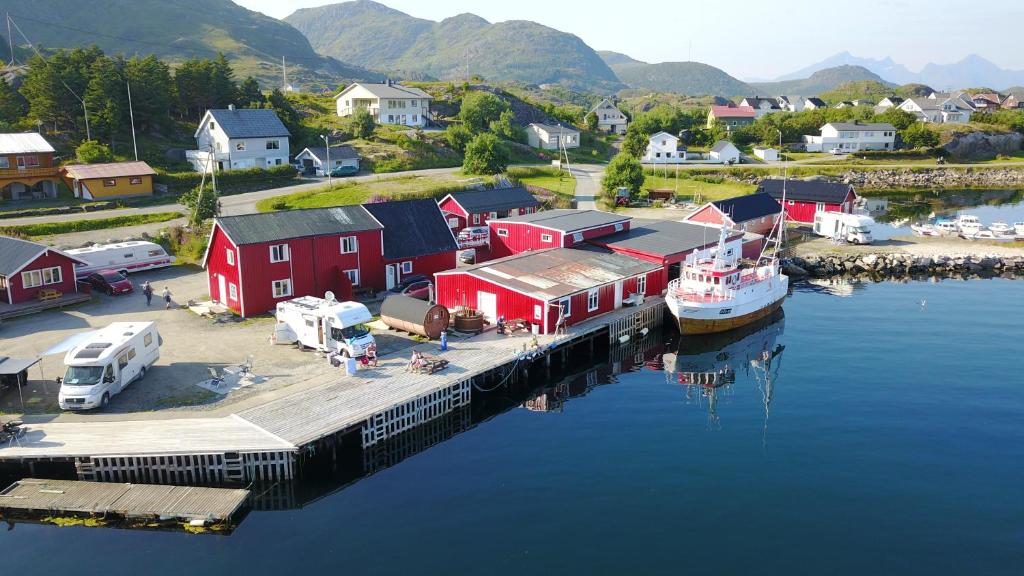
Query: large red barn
{"type": "Point", "coordinates": [539, 286]}
{"type": "Point", "coordinates": [28, 267]}
{"type": "Point", "coordinates": [805, 198]}
{"type": "Point", "coordinates": [477, 207]}
{"type": "Point", "coordinates": [563, 228]}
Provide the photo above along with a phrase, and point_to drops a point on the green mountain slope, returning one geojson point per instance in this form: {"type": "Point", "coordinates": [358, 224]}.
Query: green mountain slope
{"type": "Point", "coordinates": [179, 29]}
{"type": "Point", "coordinates": [617, 58]}
{"type": "Point", "coordinates": [372, 35]}
{"type": "Point", "coordinates": [820, 81]}
{"type": "Point", "coordinates": [690, 78]}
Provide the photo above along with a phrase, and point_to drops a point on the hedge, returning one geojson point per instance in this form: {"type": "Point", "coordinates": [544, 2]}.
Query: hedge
{"type": "Point", "coordinates": [48, 228]}
{"type": "Point", "coordinates": [232, 181]}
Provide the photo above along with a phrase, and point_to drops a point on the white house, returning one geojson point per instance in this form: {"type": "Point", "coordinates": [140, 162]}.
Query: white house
{"type": "Point", "coordinates": [313, 160]}
{"type": "Point", "coordinates": [663, 148]}
{"type": "Point", "coordinates": [814, 103]}
{"type": "Point", "coordinates": [766, 153]}
{"type": "Point", "coordinates": [236, 139]}
{"type": "Point", "coordinates": [552, 137]}
{"type": "Point", "coordinates": [761, 106]}
{"type": "Point", "coordinates": [846, 137]}
{"type": "Point", "coordinates": [890, 102]}
{"type": "Point", "coordinates": [790, 103]}
{"type": "Point", "coordinates": [724, 152]}
{"type": "Point", "coordinates": [388, 103]}
{"type": "Point", "coordinates": [610, 118]}
{"type": "Point", "coordinates": [937, 110]}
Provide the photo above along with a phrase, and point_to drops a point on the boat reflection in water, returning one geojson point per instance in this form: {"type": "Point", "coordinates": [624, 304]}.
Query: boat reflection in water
{"type": "Point", "coordinates": [707, 365]}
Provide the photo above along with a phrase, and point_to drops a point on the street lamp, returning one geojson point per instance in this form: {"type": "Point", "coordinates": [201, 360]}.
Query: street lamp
{"type": "Point", "coordinates": [327, 142]}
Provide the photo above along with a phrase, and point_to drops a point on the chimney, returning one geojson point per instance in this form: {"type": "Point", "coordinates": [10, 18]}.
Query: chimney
{"type": "Point", "coordinates": [231, 106]}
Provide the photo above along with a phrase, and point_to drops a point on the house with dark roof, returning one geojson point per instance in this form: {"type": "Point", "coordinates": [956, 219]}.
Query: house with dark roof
{"type": "Point", "coordinates": [805, 198]}
{"type": "Point", "coordinates": [814, 103]}
{"type": "Point", "coordinates": [757, 213]}
{"type": "Point", "coordinates": [724, 152]}
{"type": "Point", "coordinates": [255, 261]}
{"type": "Point", "coordinates": [239, 138]}
{"type": "Point", "coordinates": [387, 102]}
{"type": "Point", "coordinates": [28, 267]}
{"type": "Point", "coordinates": [313, 160]}
{"type": "Point", "coordinates": [761, 106]}
{"type": "Point", "coordinates": [476, 207]}
{"type": "Point", "coordinates": [847, 137]}
{"type": "Point", "coordinates": [562, 228]}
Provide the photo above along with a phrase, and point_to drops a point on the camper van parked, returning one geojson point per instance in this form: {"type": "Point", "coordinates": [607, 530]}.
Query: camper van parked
{"type": "Point", "coordinates": [124, 257]}
{"type": "Point", "coordinates": [852, 228]}
{"type": "Point", "coordinates": [324, 324]}
{"type": "Point", "coordinates": [106, 362]}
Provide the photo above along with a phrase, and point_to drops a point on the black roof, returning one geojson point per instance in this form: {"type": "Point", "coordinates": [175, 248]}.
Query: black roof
{"type": "Point", "coordinates": [806, 190]}
{"type": "Point", "coordinates": [249, 122]}
{"type": "Point", "coordinates": [270, 226]}
{"type": "Point", "coordinates": [661, 237]}
{"type": "Point", "coordinates": [413, 228]}
{"type": "Point", "coordinates": [337, 152]}
{"type": "Point", "coordinates": [743, 208]}
{"type": "Point", "coordinates": [493, 200]}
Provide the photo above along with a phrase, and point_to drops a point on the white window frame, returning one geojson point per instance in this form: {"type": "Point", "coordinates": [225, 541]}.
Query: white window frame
{"type": "Point", "coordinates": [619, 227]}
{"type": "Point", "coordinates": [538, 312]}
{"type": "Point", "coordinates": [353, 276]}
{"type": "Point", "coordinates": [566, 310]}
{"type": "Point", "coordinates": [37, 278]}
{"type": "Point", "coordinates": [285, 253]}
{"type": "Point", "coordinates": [453, 222]}
{"type": "Point", "coordinates": [232, 292]}
{"type": "Point", "coordinates": [546, 238]}
{"type": "Point", "coordinates": [4, 162]}
{"type": "Point", "coordinates": [577, 237]}
{"type": "Point", "coordinates": [492, 215]}
{"type": "Point", "coordinates": [353, 240]}
{"type": "Point", "coordinates": [281, 288]}
{"type": "Point", "coordinates": [240, 146]}
{"type": "Point", "coordinates": [502, 231]}
{"type": "Point", "coordinates": [407, 267]}
{"type": "Point", "coordinates": [641, 284]}
{"type": "Point", "coordinates": [819, 206]}
{"type": "Point", "coordinates": [476, 219]}
{"type": "Point", "coordinates": [593, 299]}
{"type": "Point", "coordinates": [273, 144]}
{"type": "Point", "coordinates": [229, 255]}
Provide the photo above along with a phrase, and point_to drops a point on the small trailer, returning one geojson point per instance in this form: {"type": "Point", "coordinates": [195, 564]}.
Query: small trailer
{"type": "Point", "coordinates": [125, 257]}
{"type": "Point", "coordinates": [852, 228]}
{"type": "Point", "coordinates": [414, 316]}
{"type": "Point", "coordinates": [104, 362]}
{"type": "Point", "coordinates": [324, 324]}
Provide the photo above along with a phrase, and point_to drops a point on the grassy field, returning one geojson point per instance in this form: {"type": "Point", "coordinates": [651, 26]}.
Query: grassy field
{"type": "Point", "coordinates": [359, 192]}
{"type": "Point", "coordinates": [698, 190]}
{"type": "Point", "coordinates": [50, 228]}
{"type": "Point", "coordinates": [558, 181]}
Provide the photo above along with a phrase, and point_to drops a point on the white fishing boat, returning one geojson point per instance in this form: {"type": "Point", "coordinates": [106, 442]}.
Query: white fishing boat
{"type": "Point", "coordinates": [991, 236]}
{"type": "Point", "coordinates": [968, 225]}
{"type": "Point", "coordinates": [926, 230]}
{"type": "Point", "coordinates": [947, 227]}
{"type": "Point", "coordinates": [1018, 228]}
{"type": "Point", "coordinates": [1000, 227]}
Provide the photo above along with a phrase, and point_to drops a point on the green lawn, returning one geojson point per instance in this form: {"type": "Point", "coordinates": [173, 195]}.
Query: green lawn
{"type": "Point", "coordinates": [698, 190]}
{"type": "Point", "coordinates": [795, 156]}
{"type": "Point", "coordinates": [50, 228]}
{"type": "Point", "coordinates": [558, 181]}
{"type": "Point", "coordinates": [346, 193]}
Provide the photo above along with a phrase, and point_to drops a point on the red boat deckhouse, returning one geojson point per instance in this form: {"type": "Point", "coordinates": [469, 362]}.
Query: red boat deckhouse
{"type": "Point", "coordinates": [805, 198]}
{"type": "Point", "coordinates": [254, 261]}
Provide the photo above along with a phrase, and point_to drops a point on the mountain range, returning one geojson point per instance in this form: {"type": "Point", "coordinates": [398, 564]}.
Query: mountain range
{"type": "Point", "coordinates": [373, 35]}
{"type": "Point", "coordinates": [819, 81]}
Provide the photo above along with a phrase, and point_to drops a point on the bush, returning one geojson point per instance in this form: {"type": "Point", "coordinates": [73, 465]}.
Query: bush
{"type": "Point", "coordinates": [624, 171]}
{"type": "Point", "coordinates": [457, 136]}
{"type": "Point", "coordinates": [230, 182]}
{"type": "Point", "coordinates": [48, 228]}
{"type": "Point", "coordinates": [505, 127]}
{"type": "Point", "coordinates": [918, 135]}
{"type": "Point", "coordinates": [362, 124]}
{"type": "Point", "coordinates": [479, 109]}
{"type": "Point", "coordinates": [485, 154]}
{"type": "Point", "coordinates": [203, 203]}
{"type": "Point", "coordinates": [93, 152]}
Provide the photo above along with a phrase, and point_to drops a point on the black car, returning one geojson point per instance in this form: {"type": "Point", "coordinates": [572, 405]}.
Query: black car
{"type": "Point", "coordinates": [409, 281]}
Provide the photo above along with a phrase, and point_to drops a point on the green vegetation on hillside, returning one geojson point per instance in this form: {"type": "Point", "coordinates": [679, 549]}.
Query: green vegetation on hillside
{"type": "Point", "coordinates": [351, 192]}
{"type": "Point", "coordinates": [821, 81]}
{"type": "Point", "coordinates": [683, 77]}
{"type": "Point", "coordinates": [872, 90]}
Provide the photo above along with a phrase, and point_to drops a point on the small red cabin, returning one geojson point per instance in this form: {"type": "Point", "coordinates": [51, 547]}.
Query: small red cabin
{"type": "Point", "coordinates": [477, 207]}
{"type": "Point", "coordinates": [805, 198]}
{"type": "Point", "coordinates": [757, 213]}
{"type": "Point", "coordinates": [28, 267]}
{"type": "Point", "coordinates": [563, 228]}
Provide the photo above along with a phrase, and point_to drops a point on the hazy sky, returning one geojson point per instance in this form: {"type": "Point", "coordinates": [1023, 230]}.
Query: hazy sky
{"type": "Point", "coordinates": [754, 38]}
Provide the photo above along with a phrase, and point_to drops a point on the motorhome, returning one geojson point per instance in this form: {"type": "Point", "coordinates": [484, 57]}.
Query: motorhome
{"type": "Point", "coordinates": [104, 362]}
{"type": "Point", "coordinates": [324, 324]}
{"type": "Point", "coordinates": [124, 257]}
{"type": "Point", "coordinates": [852, 228]}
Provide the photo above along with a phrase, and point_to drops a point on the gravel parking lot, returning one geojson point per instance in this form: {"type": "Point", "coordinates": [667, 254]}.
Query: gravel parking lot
{"type": "Point", "coordinates": [194, 348]}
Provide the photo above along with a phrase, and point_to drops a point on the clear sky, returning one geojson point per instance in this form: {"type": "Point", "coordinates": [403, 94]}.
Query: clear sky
{"type": "Point", "coordinates": [754, 39]}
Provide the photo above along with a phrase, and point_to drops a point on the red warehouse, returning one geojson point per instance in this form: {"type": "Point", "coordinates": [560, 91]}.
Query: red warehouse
{"type": "Point", "coordinates": [538, 286]}
{"type": "Point", "coordinates": [476, 207]}
{"type": "Point", "coordinates": [561, 228]}
{"type": "Point", "coordinates": [254, 261]}
{"type": "Point", "coordinates": [805, 198]}
{"type": "Point", "coordinates": [27, 267]}
{"type": "Point", "coordinates": [757, 213]}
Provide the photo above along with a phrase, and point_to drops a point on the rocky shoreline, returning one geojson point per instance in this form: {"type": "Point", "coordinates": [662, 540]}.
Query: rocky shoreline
{"type": "Point", "coordinates": [934, 178]}
{"type": "Point", "coordinates": [902, 265]}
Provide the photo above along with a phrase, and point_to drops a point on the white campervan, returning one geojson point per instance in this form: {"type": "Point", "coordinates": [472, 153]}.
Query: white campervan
{"type": "Point", "coordinates": [324, 324]}
{"type": "Point", "coordinates": [106, 362]}
{"type": "Point", "coordinates": [853, 228]}
{"type": "Point", "coordinates": [133, 256]}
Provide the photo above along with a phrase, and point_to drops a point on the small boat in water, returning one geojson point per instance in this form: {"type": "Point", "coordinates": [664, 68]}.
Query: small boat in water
{"type": "Point", "coordinates": [1018, 228]}
{"type": "Point", "coordinates": [926, 230]}
{"type": "Point", "coordinates": [968, 225]}
{"type": "Point", "coordinates": [1000, 227]}
{"type": "Point", "coordinates": [947, 227]}
{"type": "Point", "coordinates": [992, 236]}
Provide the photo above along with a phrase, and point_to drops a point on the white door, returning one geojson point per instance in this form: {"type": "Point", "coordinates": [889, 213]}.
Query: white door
{"type": "Point", "coordinates": [618, 294]}
{"type": "Point", "coordinates": [391, 275]}
{"type": "Point", "coordinates": [222, 289]}
{"type": "Point", "coordinates": [487, 304]}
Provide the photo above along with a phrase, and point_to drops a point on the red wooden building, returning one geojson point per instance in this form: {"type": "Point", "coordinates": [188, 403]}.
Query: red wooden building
{"type": "Point", "coordinates": [476, 207]}
{"type": "Point", "coordinates": [539, 286]}
{"type": "Point", "coordinates": [805, 198]}
{"type": "Point", "coordinates": [561, 228]}
{"type": "Point", "coordinates": [254, 261]}
{"type": "Point", "coordinates": [757, 213]}
{"type": "Point", "coordinates": [27, 267]}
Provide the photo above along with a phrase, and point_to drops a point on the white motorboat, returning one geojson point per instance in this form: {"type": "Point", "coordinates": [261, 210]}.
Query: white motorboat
{"type": "Point", "coordinates": [947, 227]}
{"type": "Point", "coordinates": [968, 225]}
{"type": "Point", "coordinates": [991, 236]}
{"type": "Point", "coordinates": [926, 230]}
{"type": "Point", "coordinates": [1018, 228]}
{"type": "Point", "coordinates": [1000, 227]}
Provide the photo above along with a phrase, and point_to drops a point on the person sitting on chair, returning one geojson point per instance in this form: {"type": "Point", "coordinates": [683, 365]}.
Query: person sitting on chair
{"type": "Point", "coordinates": [371, 354]}
{"type": "Point", "coordinates": [418, 361]}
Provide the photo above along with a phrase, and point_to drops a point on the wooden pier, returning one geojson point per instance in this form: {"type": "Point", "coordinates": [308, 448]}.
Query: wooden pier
{"type": "Point", "coordinates": [265, 442]}
{"type": "Point", "coordinates": [121, 501]}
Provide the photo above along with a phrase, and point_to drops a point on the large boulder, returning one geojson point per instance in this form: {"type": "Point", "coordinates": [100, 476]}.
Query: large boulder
{"type": "Point", "coordinates": [983, 145]}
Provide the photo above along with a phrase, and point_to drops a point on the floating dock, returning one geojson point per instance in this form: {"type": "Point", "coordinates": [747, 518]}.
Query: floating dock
{"type": "Point", "coordinates": [121, 501]}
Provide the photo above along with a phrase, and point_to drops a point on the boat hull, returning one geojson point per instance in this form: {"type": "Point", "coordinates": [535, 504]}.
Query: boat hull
{"type": "Point", "coordinates": [710, 326]}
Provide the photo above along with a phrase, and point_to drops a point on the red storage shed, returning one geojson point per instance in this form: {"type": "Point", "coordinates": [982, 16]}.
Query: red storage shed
{"type": "Point", "coordinates": [477, 207]}
{"type": "Point", "coordinates": [28, 267]}
{"type": "Point", "coordinates": [805, 198]}
{"type": "Point", "coordinates": [562, 228]}
{"type": "Point", "coordinates": [757, 213]}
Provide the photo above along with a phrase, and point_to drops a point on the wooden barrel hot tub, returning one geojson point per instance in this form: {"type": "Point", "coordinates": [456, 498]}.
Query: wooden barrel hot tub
{"type": "Point", "coordinates": [414, 316]}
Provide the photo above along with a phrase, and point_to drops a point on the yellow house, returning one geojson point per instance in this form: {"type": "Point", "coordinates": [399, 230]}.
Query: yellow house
{"type": "Point", "coordinates": [105, 181]}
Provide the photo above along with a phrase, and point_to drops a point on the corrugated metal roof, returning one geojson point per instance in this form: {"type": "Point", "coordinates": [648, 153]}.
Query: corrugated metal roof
{"type": "Point", "coordinates": [389, 90]}
{"type": "Point", "coordinates": [493, 200]}
{"type": "Point", "coordinates": [259, 228]}
{"type": "Point", "coordinates": [806, 190]}
{"type": "Point", "coordinates": [661, 237]}
{"type": "Point", "coordinates": [548, 274]}
{"type": "Point", "coordinates": [249, 123]}
{"type": "Point", "coordinates": [733, 112]}
{"type": "Point", "coordinates": [15, 253]}
{"type": "Point", "coordinates": [27, 142]}
{"type": "Point", "coordinates": [111, 170]}
{"type": "Point", "coordinates": [721, 145]}
{"type": "Point", "coordinates": [413, 228]}
{"type": "Point", "coordinates": [552, 128]}
{"type": "Point", "coordinates": [567, 220]}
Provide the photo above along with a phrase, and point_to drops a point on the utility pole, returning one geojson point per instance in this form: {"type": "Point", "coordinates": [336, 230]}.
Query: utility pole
{"type": "Point", "coordinates": [327, 141]}
{"type": "Point", "coordinates": [131, 114]}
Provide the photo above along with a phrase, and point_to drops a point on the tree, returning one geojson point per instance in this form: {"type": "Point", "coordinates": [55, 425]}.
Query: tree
{"type": "Point", "coordinates": [249, 93]}
{"type": "Point", "coordinates": [106, 98]}
{"type": "Point", "coordinates": [918, 135]}
{"type": "Point", "coordinates": [203, 203]}
{"type": "Point", "coordinates": [362, 123]}
{"type": "Point", "coordinates": [458, 136]}
{"type": "Point", "coordinates": [505, 127]}
{"type": "Point", "coordinates": [624, 171]}
{"type": "Point", "coordinates": [152, 90]}
{"type": "Point", "coordinates": [222, 82]}
{"type": "Point", "coordinates": [590, 121]}
{"type": "Point", "coordinates": [93, 152]}
{"type": "Point", "coordinates": [13, 106]}
{"type": "Point", "coordinates": [635, 142]}
{"type": "Point", "coordinates": [901, 119]}
{"type": "Point", "coordinates": [485, 154]}
{"type": "Point", "coordinates": [479, 109]}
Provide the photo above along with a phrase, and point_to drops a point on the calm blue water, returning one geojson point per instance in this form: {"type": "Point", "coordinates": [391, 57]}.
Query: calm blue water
{"type": "Point", "coordinates": [894, 444]}
{"type": "Point", "coordinates": [988, 206]}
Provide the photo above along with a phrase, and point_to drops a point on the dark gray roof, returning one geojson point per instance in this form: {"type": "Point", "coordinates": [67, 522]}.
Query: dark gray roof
{"type": "Point", "coordinates": [15, 254]}
{"type": "Point", "coordinates": [721, 145]}
{"type": "Point", "coordinates": [568, 220]}
{"type": "Point", "coordinates": [413, 228]}
{"type": "Point", "coordinates": [806, 190]}
{"type": "Point", "coordinates": [249, 123]}
{"type": "Point", "coordinates": [270, 226]}
{"type": "Point", "coordinates": [816, 101]}
{"type": "Point", "coordinates": [337, 153]}
{"type": "Point", "coordinates": [494, 200]}
{"type": "Point", "coordinates": [743, 208]}
{"type": "Point", "coordinates": [661, 237]}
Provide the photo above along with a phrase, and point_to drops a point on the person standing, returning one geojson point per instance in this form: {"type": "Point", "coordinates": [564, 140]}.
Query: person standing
{"type": "Point", "coordinates": [147, 291]}
{"type": "Point", "coordinates": [167, 298]}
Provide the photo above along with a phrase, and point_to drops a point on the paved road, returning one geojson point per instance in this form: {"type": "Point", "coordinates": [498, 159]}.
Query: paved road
{"type": "Point", "coordinates": [588, 184]}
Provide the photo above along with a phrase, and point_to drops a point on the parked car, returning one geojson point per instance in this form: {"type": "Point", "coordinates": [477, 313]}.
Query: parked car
{"type": "Point", "coordinates": [420, 290]}
{"type": "Point", "coordinates": [110, 282]}
{"type": "Point", "coordinates": [340, 171]}
{"type": "Point", "coordinates": [408, 280]}
{"type": "Point", "coordinates": [468, 256]}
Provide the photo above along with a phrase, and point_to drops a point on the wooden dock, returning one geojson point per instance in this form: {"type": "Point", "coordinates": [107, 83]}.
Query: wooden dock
{"type": "Point", "coordinates": [127, 501]}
